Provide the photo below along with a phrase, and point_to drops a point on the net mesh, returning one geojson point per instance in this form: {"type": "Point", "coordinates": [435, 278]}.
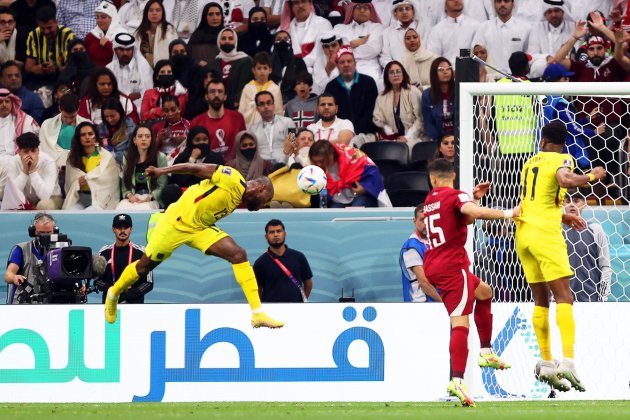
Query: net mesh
{"type": "Point", "coordinates": [506, 132]}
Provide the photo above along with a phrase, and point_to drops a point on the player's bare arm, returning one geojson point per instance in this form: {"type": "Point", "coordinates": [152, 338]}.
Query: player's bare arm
{"type": "Point", "coordinates": [201, 170]}
{"type": "Point", "coordinates": [568, 179]}
{"type": "Point", "coordinates": [474, 211]}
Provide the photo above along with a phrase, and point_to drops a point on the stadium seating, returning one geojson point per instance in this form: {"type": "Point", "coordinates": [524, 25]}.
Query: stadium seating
{"type": "Point", "coordinates": [421, 154]}
{"type": "Point", "coordinates": [407, 189]}
{"type": "Point", "coordinates": [389, 156]}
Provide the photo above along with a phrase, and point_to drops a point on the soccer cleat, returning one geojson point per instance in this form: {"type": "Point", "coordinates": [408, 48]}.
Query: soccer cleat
{"type": "Point", "coordinates": [111, 308]}
{"type": "Point", "coordinates": [549, 375]}
{"type": "Point", "coordinates": [459, 390]}
{"type": "Point", "coordinates": [261, 319]}
{"type": "Point", "coordinates": [491, 360]}
{"type": "Point", "coordinates": [566, 370]}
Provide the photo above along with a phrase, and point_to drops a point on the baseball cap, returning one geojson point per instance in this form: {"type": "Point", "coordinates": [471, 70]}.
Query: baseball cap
{"type": "Point", "coordinates": [122, 220]}
{"type": "Point", "coordinates": [556, 71]}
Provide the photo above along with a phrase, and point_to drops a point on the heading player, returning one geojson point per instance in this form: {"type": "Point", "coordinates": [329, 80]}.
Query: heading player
{"type": "Point", "coordinates": [447, 213]}
{"type": "Point", "coordinates": [542, 249]}
{"type": "Point", "coordinates": [191, 221]}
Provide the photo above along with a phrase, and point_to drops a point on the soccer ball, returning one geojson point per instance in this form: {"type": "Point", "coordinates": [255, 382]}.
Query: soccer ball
{"type": "Point", "coordinates": [311, 180]}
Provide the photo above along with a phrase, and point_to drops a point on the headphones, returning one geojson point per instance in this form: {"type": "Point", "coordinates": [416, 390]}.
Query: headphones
{"type": "Point", "coordinates": [39, 216]}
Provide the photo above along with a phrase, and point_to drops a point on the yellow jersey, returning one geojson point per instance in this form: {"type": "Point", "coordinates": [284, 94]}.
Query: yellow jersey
{"type": "Point", "coordinates": [541, 196]}
{"type": "Point", "coordinates": [203, 204]}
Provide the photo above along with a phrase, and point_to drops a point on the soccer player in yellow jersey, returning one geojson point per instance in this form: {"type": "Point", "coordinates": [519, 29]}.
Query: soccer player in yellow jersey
{"type": "Point", "coordinates": [543, 251]}
{"type": "Point", "coordinates": [191, 221]}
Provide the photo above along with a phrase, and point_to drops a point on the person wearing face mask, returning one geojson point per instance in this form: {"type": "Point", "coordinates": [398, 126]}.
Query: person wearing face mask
{"type": "Point", "coordinates": [248, 161]}
{"type": "Point", "coordinates": [257, 38]}
{"type": "Point", "coordinates": [285, 65]}
{"type": "Point", "coordinates": [164, 85]}
{"type": "Point", "coordinates": [183, 64]}
{"type": "Point", "coordinates": [78, 67]}
{"type": "Point", "coordinates": [197, 151]}
{"type": "Point", "coordinates": [234, 66]}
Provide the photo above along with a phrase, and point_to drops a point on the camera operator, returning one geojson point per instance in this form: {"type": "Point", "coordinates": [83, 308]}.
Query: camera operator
{"type": "Point", "coordinates": [119, 255]}
{"type": "Point", "coordinates": [26, 271]}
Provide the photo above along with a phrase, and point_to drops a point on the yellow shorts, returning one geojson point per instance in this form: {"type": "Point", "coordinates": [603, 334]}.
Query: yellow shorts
{"type": "Point", "coordinates": [166, 238]}
{"type": "Point", "coordinates": [544, 257]}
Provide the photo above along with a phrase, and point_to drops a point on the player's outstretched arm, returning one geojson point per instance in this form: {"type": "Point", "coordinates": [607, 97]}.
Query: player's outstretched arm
{"type": "Point", "coordinates": [473, 211]}
{"type": "Point", "coordinates": [567, 179]}
{"type": "Point", "coordinates": [201, 170]}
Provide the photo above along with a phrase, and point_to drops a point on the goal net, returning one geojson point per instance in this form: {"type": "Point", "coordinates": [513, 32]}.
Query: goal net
{"type": "Point", "coordinates": [500, 129]}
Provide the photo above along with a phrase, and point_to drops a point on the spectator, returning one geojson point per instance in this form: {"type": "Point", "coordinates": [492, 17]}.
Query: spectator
{"type": "Point", "coordinates": [447, 150]}
{"type": "Point", "coordinates": [24, 275]}
{"type": "Point", "coordinates": [503, 34]}
{"type": "Point", "coordinates": [56, 133]}
{"type": "Point", "coordinates": [486, 74]}
{"type": "Point", "coordinates": [221, 123]}
{"type": "Point", "coordinates": [302, 108]}
{"type": "Point", "coordinates": [171, 132]}
{"type": "Point", "coordinates": [417, 60]}
{"type": "Point", "coordinates": [283, 274]}
{"type": "Point", "coordinates": [272, 129]}
{"type": "Point", "coordinates": [305, 28]}
{"type": "Point", "coordinates": [46, 49]}
{"type": "Point", "coordinates": [92, 180]}
{"type": "Point", "coordinates": [404, 18]}
{"type": "Point", "coordinates": [119, 255]}
{"type": "Point", "coordinates": [273, 9]}
{"type": "Point", "coordinates": [139, 191]}
{"type": "Point", "coordinates": [197, 151]}
{"type": "Point", "coordinates": [285, 65]}
{"type": "Point", "coordinates": [397, 112]}
{"type": "Point", "coordinates": [183, 64]}
{"type": "Point", "coordinates": [453, 33]}
{"type": "Point", "coordinates": [115, 129]}
{"type": "Point", "coordinates": [203, 42]}
{"type": "Point", "coordinates": [154, 34]}
{"type": "Point", "coordinates": [8, 35]}
{"type": "Point", "coordinates": [130, 14]}
{"type": "Point", "coordinates": [165, 84]}
{"type": "Point", "coordinates": [197, 103]}
{"type": "Point", "coordinates": [415, 286]}
{"type": "Point", "coordinates": [548, 35]}
{"type": "Point", "coordinates": [13, 123]}
{"type": "Point", "coordinates": [72, 14]}
{"type": "Point", "coordinates": [183, 15]}
{"type": "Point", "coordinates": [104, 85]}
{"type": "Point", "coordinates": [363, 32]}
{"type": "Point", "coordinates": [99, 40]}
{"type": "Point", "coordinates": [325, 68]}
{"type": "Point", "coordinates": [26, 11]}
{"type": "Point", "coordinates": [329, 127]}
{"type": "Point", "coordinates": [438, 102]}
{"type": "Point", "coordinates": [34, 175]}
{"type": "Point", "coordinates": [589, 255]}
{"type": "Point", "coordinates": [257, 38]}
{"type": "Point", "coordinates": [79, 66]}
{"type": "Point", "coordinates": [11, 78]}
{"type": "Point", "coordinates": [235, 67]}
{"type": "Point", "coordinates": [60, 88]}
{"type": "Point", "coordinates": [261, 83]}
{"type": "Point", "coordinates": [582, 8]}
{"type": "Point", "coordinates": [354, 93]}
{"type": "Point", "coordinates": [353, 179]}
{"type": "Point", "coordinates": [248, 161]}
{"type": "Point", "coordinates": [297, 149]}
{"type": "Point", "coordinates": [132, 71]}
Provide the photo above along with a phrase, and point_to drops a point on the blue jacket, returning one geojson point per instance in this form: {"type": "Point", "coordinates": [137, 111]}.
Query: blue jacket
{"type": "Point", "coordinates": [31, 103]}
{"type": "Point", "coordinates": [432, 115]}
{"type": "Point", "coordinates": [557, 107]}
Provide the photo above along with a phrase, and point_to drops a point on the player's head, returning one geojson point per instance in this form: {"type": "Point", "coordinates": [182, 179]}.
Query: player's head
{"type": "Point", "coordinates": [553, 134]}
{"type": "Point", "coordinates": [441, 173]}
{"type": "Point", "coordinates": [259, 192]}
{"type": "Point", "coordinates": [418, 220]}
{"type": "Point", "coordinates": [275, 233]}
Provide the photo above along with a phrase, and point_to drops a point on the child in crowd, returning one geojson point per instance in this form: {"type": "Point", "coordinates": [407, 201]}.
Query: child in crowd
{"type": "Point", "coordinates": [303, 107]}
{"type": "Point", "coordinates": [247, 104]}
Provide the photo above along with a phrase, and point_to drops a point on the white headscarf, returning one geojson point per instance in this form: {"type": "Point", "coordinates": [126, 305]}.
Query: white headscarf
{"type": "Point", "coordinates": [232, 55]}
{"type": "Point", "coordinates": [108, 8]}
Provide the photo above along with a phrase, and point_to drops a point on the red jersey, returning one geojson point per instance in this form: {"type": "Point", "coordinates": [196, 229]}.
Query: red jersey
{"type": "Point", "coordinates": [222, 131]}
{"type": "Point", "coordinates": [446, 231]}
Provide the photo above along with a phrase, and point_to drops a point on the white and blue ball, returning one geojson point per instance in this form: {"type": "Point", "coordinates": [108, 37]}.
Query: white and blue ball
{"type": "Point", "coordinates": [311, 180]}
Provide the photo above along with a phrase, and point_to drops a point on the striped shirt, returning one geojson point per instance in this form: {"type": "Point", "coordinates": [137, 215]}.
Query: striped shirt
{"type": "Point", "coordinates": [39, 48]}
{"type": "Point", "coordinates": [78, 15]}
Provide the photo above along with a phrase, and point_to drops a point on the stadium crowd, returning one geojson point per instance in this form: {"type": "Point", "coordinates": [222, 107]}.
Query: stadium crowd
{"type": "Point", "coordinates": [93, 92]}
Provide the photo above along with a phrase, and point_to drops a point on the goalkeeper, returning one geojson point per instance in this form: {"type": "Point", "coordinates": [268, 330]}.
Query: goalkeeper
{"type": "Point", "coordinates": [191, 221]}
{"type": "Point", "coordinates": [542, 249]}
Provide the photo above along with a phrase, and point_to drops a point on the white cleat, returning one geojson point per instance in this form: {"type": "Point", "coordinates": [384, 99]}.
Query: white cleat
{"type": "Point", "coordinates": [549, 374]}
{"type": "Point", "coordinates": [566, 370]}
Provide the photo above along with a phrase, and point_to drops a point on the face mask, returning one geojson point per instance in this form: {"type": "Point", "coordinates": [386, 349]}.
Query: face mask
{"type": "Point", "coordinates": [227, 48]}
{"type": "Point", "coordinates": [166, 80]}
{"type": "Point", "coordinates": [80, 56]}
{"type": "Point", "coordinates": [204, 147]}
{"type": "Point", "coordinates": [258, 28]}
{"type": "Point", "coordinates": [249, 153]}
{"type": "Point", "coordinates": [179, 59]}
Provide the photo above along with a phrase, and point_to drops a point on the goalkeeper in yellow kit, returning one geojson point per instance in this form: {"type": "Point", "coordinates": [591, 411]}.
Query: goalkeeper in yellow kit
{"type": "Point", "coordinates": [191, 221]}
{"type": "Point", "coordinates": [542, 249]}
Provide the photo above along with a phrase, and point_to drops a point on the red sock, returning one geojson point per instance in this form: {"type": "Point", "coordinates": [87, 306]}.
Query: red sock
{"type": "Point", "coordinates": [483, 320]}
{"type": "Point", "coordinates": [459, 350]}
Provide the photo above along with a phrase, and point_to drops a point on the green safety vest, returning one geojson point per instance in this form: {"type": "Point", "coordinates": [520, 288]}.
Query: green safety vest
{"type": "Point", "coordinates": [153, 221]}
{"type": "Point", "coordinates": [516, 122]}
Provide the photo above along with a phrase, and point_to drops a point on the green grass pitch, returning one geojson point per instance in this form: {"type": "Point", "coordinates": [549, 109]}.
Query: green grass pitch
{"type": "Point", "coordinates": [511, 410]}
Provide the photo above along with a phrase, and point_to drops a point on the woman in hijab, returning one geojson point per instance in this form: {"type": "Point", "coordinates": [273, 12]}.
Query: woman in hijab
{"type": "Point", "coordinates": [247, 160]}
{"type": "Point", "coordinates": [257, 38]}
{"type": "Point", "coordinates": [197, 151]}
{"type": "Point", "coordinates": [197, 94]}
{"type": "Point", "coordinates": [203, 41]}
{"type": "Point", "coordinates": [98, 41]}
{"type": "Point", "coordinates": [417, 59]}
{"type": "Point", "coordinates": [78, 67]}
{"type": "Point", "coordinates": [183, 64]}
{"type": "Point", "coordinates": [235, 67]}
{"type": "Point", "coordinates": [285, 65]}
